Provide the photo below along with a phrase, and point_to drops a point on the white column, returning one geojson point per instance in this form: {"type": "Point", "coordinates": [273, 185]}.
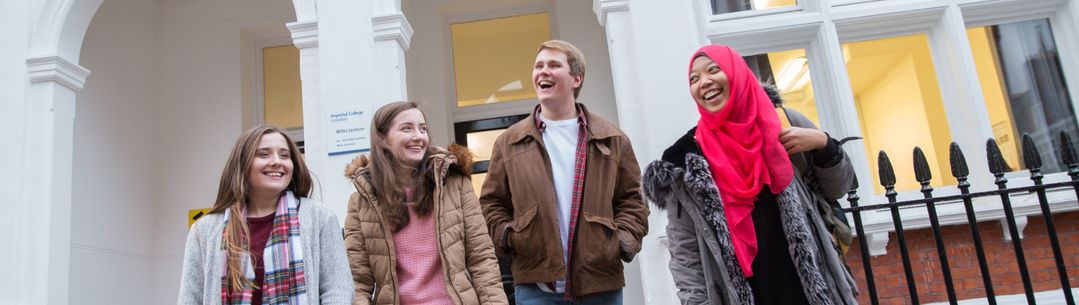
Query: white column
{"type": "Point", "coordinates": [43, 217]}
{"type": "Point", "coordinates": [615, 18]}
{"type": "Point", "coordinates": [305, 38]}
{"type": "Point", "coordinates": [968, 118]}
{"type": "Point", "coordinates": [617, 22]}
{"type": "Point", "coordinates": [392, 35]}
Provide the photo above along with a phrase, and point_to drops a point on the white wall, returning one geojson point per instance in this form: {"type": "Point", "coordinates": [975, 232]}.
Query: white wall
{"type": "Point", "coordinates": [15, 20]}
{"type": "Point", "coordinates": [113, 180]}
{"type": "Point", "coordinates": [665, 35]}
{"type": "Point", "coordinates": [430, 63]}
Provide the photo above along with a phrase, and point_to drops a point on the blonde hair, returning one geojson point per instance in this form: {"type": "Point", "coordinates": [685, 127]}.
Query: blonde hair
{"type": "Point", "coordinates": [574, 58]}
{"type": "Point", "coordinates": [232, 194]}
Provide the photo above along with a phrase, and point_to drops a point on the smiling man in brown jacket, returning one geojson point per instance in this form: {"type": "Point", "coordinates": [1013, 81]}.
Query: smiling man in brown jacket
{"type": "Point", "coordinates": [562, 195]}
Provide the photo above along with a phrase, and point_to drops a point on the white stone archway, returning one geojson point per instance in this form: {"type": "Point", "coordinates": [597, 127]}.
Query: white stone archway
{"type": "Point", "coordinates": [41, 215]}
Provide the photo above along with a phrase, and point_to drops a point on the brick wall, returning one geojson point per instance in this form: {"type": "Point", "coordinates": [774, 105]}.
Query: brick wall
{"type": "Point", "coordinates": [963, 260]}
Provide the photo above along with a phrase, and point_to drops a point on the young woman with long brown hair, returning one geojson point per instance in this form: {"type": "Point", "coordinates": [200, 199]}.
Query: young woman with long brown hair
{"type": "Point", "coordinates": [265, 241]}
{"type": "Point", "coordinates": [415, 232]}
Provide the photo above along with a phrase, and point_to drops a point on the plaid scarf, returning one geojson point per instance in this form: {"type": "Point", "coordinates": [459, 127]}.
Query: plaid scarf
{"type": "Point", "coordinates": [282, 258]}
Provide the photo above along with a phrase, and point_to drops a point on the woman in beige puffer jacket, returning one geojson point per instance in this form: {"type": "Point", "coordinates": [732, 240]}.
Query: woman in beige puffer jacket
{"type": "Point", "coordinates": [469, 267]}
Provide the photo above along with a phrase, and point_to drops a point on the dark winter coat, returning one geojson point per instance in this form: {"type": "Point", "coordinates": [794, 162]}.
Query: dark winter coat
{"type": "Point", "coordinates": [701, 257]}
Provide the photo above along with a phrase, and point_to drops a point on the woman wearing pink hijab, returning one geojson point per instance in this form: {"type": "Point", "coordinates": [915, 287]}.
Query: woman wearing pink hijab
{"type": "Point", "coordinates": [741, 193]}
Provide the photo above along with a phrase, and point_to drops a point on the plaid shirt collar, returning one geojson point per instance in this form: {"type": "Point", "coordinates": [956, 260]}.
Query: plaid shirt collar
{"type": "Point", "coordinates": [582, 118]}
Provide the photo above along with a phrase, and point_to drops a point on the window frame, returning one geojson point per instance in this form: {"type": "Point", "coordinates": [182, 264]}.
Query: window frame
{"type": "Point", "coordinates": [259, 107]}
{"type": "Point", "coordinates": [500, 109]}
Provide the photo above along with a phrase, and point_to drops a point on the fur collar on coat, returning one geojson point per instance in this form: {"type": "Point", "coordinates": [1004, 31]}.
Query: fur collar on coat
{"type": "Point", "coordinates": [453, 160]}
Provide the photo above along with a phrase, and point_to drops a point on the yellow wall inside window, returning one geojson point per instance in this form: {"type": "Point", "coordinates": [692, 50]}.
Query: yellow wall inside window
{"type": "Point", "coordinates": [799, 98]}
{"type": "Point", "coordinates": [493, 58]}
{"type": "Point", "coordinates": [996, 100]}
{"type": "Point", "coordinates": [281, 87]}
{"type": "Point", "coordinates": [900, 107]}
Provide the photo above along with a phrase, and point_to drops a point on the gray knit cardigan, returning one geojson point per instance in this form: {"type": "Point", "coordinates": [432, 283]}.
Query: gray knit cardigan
{"type": "Point", "coordinates": [329, 280]}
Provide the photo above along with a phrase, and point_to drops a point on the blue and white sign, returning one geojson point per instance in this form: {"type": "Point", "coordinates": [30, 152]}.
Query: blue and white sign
{"type": "Point", "coordinates": [348, 130]}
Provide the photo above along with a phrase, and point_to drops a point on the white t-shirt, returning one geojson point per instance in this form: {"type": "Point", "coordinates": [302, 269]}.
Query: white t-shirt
{"type": "Point", "coordinates": [560, 140]}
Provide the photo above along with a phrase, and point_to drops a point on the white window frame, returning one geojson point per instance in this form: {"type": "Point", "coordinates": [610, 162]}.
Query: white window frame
{"type": "Point", "coordinates": [478, 112]}
{"type": "Point", "coordinates": [260, 99]}
{"type": "Point", "coordinates": [821, 26]}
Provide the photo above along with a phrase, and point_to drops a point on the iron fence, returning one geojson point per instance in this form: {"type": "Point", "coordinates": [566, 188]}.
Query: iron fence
{"type": "Point", "coordinates": [998, 167]}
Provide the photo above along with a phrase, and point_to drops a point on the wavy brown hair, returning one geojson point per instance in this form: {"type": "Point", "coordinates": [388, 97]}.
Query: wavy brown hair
{"type": "Point", "coordinates": [232, 194]}
{"type": "Point", "coordinates": [388, 176]}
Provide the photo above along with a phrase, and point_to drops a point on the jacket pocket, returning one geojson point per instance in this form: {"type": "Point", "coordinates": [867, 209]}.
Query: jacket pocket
{"type": "Point", "coordinates": [598, 244]}
{"type": "Point", "coordinates": [520, 224]}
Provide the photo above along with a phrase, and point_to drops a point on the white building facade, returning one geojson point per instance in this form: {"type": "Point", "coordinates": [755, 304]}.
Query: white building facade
{"type": "Point", "coordinates": [118, 115]}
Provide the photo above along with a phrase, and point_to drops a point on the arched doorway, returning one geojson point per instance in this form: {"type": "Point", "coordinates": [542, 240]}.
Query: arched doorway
{"type": "Point", "coordinates": [83, 211]}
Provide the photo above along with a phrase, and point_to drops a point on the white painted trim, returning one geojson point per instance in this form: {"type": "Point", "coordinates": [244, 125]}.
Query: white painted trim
{"type": "Point", "coordinates": [750, 14]}
{"type": "Point", "coordinates": [983, 13]}
{"type": "Point", "coordinates": [500, 109]}
{"type": "Point", "coordinates": [57, 69]}
{"type": "Point", "coordinates": [604, 7]}
{"type": "Point", "coordinates": [393, 27]}
{"type": "Point", "coordinates": [859, 22]}
{"type": "Point", "coordinates": [766, 34]}
{"type": "Point", "coordinates": [304, 34]}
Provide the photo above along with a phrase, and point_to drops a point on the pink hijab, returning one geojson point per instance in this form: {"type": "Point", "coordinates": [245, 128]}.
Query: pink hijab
{"type": "Point", "coordinates": [741, 144]}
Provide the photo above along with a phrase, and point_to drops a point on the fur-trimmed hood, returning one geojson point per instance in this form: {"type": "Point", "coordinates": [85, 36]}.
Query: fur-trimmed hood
{"type": "Point", "coordinates": [453, 160]}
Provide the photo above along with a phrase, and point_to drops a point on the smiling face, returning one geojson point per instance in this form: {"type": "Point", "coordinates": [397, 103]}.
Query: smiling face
{"type": "Point", "coordinates": [407, 137]}
{"type": "Point", "coordinates": [552, 78]}
{"type": "Point", "coordinates": [271, 169]}
{"type": "Point", "coordinates": [708, 84]}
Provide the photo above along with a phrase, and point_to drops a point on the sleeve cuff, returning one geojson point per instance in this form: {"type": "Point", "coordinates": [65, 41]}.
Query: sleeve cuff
{"type": "Point", "coordinates": [828, 156]}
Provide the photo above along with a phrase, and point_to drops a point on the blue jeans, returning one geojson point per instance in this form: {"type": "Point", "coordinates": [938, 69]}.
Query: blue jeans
{"type": "Point", "coordinates": [530, 294]}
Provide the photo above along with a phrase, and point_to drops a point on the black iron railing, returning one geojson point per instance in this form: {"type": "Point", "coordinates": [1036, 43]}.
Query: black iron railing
{"type": "Point", "coordinates": [998, 168]}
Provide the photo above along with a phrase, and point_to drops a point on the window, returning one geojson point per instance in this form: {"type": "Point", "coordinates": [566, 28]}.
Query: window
{"type": "Point", "coordinates": [1024, 89]}
{"type": "Point", "coordinates": [899, 106]}
{"type": "Point", "coordinates": [281, 94]}
{"type": "Point", "coordinates": [789, 72]}
{"type": "Point", "coordinates": [479, 136]}
{"type": "Point", "coordinates": [731, 6]}
{"type": "Point", "coordinates": [486, 52]}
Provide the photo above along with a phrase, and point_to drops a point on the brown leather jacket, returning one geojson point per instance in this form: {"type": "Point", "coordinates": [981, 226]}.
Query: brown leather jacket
{"type": "Point", "coordinates": [469, 267]}
{"type": "Point", "coordinates": [518, 199]}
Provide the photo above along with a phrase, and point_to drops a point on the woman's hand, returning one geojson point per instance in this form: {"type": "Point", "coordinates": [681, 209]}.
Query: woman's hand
{"type": "Point", "coordinates": [797, 139]}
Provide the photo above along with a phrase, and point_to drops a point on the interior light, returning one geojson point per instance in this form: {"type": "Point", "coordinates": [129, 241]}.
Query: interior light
{"type": "Point", "coordinates": [794, 74]}
{"type": "Point", "coordinates": [760, 4]}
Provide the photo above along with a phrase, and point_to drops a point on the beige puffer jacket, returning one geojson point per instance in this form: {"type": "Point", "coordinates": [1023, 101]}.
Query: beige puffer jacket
{"type": "Point", "coordinates": [469, 265]}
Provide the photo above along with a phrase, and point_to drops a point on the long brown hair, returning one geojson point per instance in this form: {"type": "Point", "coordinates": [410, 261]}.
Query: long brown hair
{"type": "Point", "coordinates": [232, 194]}
{"type": "Point", "coordinates": [388, 176]}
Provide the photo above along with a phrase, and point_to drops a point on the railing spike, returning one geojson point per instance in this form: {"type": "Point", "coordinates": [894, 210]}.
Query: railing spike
{"type": "Point", "coordinates": [854, 183]}
{"type": "Point", "coordinates": [885, 171]}
{"type": "Point", "coordinates": [921, 167]}
{"type": "Point", "coordinates": [1031, 155]}
{"type": "Point", "coordinates": [959, 162]}
{"type": "Point", "coordinates": [1067, 150]}
{"type": "Point", "coordinates": [997, 165]}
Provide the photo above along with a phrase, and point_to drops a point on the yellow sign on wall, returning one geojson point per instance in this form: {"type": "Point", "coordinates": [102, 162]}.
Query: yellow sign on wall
{"type": "Point", "coordinates": [194, 215]}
